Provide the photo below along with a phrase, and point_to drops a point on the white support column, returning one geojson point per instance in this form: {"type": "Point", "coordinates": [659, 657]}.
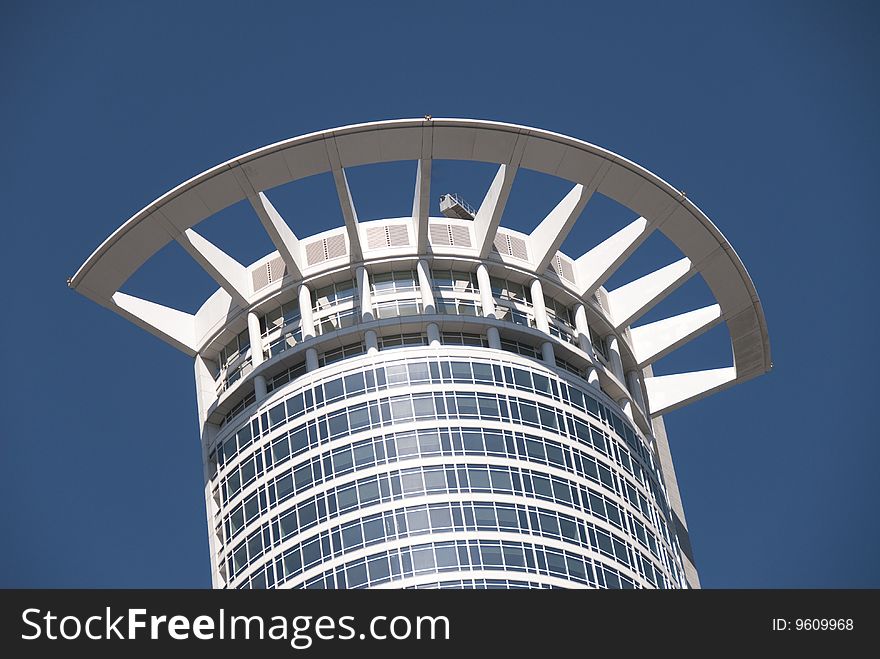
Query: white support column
{"type": "Point", "coordinates": [260, 392]}
{"type": "Point", "coordinates": [538, 307]}
{"type": "Point", "coordinates": [547, 353]}
{"type": "Point", "coordinates": [485, 286]}
{"type": "Point", "coordinates": [279, 233]}
{"type": "Point", "coordinates": [424, 275]}
{"type": "Point", "coordinates": [494, 338]}
{"type": "Point", "coordinates": [366, 300]}
{"type": "Point", "coordinates": [634, 384]}
{"type": "Point", "coordinates": [614, 357]}
{"type": "Point", "coordinates": [311, 359]}
{"type": "Point", "coordinates": [422, 199]}
{"type": "Point", "coordinates": [433, 335]}
{"type": "Point", "coordinates": [305, 312]}
{"type": "Point", "coordinates": [206, 387]}
{"type": "Point", "coordinates": [489, 213]}
{"type": "Point", "coordinates": [346, 203]}
{"type": "Point", "coordinates": [583, 330]}
{"type": "Point", "coordinates": [256, 339]}
{"type": "Point", "coordinates": [626, 406]}
{"type": "Point", "coordinates": [593, 377]}
{"type": "Point", "coordinates": [371, 341]}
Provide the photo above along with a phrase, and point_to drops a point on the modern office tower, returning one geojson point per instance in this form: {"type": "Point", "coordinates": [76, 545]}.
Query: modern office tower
{"type": "Point", "coordinates": [439, 401]}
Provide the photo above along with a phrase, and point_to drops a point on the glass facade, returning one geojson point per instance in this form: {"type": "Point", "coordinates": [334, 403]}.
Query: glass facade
{"type": "Point", "coordinates": [414, 468]}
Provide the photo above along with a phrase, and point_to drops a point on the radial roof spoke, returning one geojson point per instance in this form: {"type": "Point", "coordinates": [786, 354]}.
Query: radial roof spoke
{"type": "Point", "coordinates": [172, 326]}
{"type": "Point", "coordinates": [225, 270]}
{"type": "Point", "coordinates": [280, 233]}
{"type": "Point", "coordinates": [655, 340]}
{"type": "Point", "coordinates": [669, 392]}
{"type": "Point", "coordinates": [548, 236]}
{"type": "Point", "coordinates": [596, 266]}
{"type": "Point", "coordinates": [633, 300]}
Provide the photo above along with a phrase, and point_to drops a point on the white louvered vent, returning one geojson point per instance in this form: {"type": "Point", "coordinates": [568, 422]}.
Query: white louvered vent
{"type": "Point", "coordinates": [511, 245]}
{"type": "Point", "coordinates": [398, 235]}
{"type": "Point", "coordinates": [335, 246]}
{"type": "Point", "coordinates": [451, 235]}
{"type": "Point", "coordinates": [273, 270]}
{"type": "Point", "coordinates": [260, 277]}
{"type": "Point", "coordinates": [277, 269]}
{"type": "Point", "coordinates": [390, 235]}
{"type": "Point", "coordinates": [563, 267]}
{"type": "Point", "coordinates": [325, 249]}
{"type": "Point", "coordinates": [440, 235]}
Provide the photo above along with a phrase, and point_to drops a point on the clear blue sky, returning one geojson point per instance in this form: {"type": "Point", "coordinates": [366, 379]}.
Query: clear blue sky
{"type": "Point", "coordinates": [764, 112]}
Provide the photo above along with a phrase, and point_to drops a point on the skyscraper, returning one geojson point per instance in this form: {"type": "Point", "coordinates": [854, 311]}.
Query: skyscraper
{"type": "Point", "coordinates": [439, 401]}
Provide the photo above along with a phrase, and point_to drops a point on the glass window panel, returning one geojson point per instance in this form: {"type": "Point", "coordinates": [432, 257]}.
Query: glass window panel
{"type": "Point", "coordinates": [429, 442]}
{"type": "Point", "coordinates": [435, 480]}
{"type": "Point", "coordinates": [378, 569]}
{"type": "Point", "coordinates": [500, 480]}
{"type": "Point", "coordinates": [411, 482]}
{"type": "Point", "coordinates": [359, 417]}
{"type": "Point", "coordinates": [490, 554]}
{"type": "Point", "coordinates": [401, 408]}
{"type": "Point", "coordinates": [408, 308]}
{"type": "Point", "coordinates": [374, 529]}
{"type": "Point", "coordinates": [417, 520]}
{"type": "Point", "coordinates": [513, 556]}
{"type": "Point", "coordinates": [347, 497]}
{"type": "Point", "coordinates": [338, 424]}
{"type": "Point", "coordinates": [447, 557]}
{"type": "Point", "coordinates": [467, 404]}
{"type": "Point", "coordinates": [423, 559]}
{"type": "Point", "coordinates": [406, 444]}
{"type": "Point", "coordinates": [356, 575]}
{"type": "Point", "coordinates": [369, 491]}
{"type": "Point", "coordinates": [308, 514]}
{"type": "Point", "coordinates": [441, 518]}
{"type": "Point", "coordinates": [352, 536]}
{"type": "Point", "coordinates": [418, 372]}
{"type": "Point", "coordinates": [363, 454]}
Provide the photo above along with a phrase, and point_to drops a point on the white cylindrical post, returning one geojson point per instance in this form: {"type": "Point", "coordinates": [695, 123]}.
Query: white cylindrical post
{"type": "Point", "coordinates": [424, 275]}
{"type": "Point", "coordinates": [634, 384]}
{"type": "Point", "coordinates": [311, 359]}
{"type": "Point", "coordinates": [366, 300]}
{"type": "Point", "coordinates": [626, 406]}
{"type": "Point", "coordinates": [259, 388]}
{"type": "Point", "coordinates": [485, 286]}
{"type": "Point", "coordinates": [433, 335]}
{"type": "Point", "coordinates": [614, 357]}
{"type": "Point", "coordinates": [371, 341]}
{"type": "Point", "coordinates": [256, 339]}
{"type": "Point", "coordinates": [538, 307]}
{"type": "Point", "coordinates": [307, 322]}
{"type": "Point", "coordinates": [593, 377]}
{"type": "Point", "coordinates": [547, 353]}
{"type": "Point", "coordinates": [583, 329]}
{"type": "Point", "coordinates": [494, 338]}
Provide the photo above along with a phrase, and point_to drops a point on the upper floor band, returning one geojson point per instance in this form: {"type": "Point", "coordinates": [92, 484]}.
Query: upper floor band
{"type": "Point", "coordinates": [370, 272]}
